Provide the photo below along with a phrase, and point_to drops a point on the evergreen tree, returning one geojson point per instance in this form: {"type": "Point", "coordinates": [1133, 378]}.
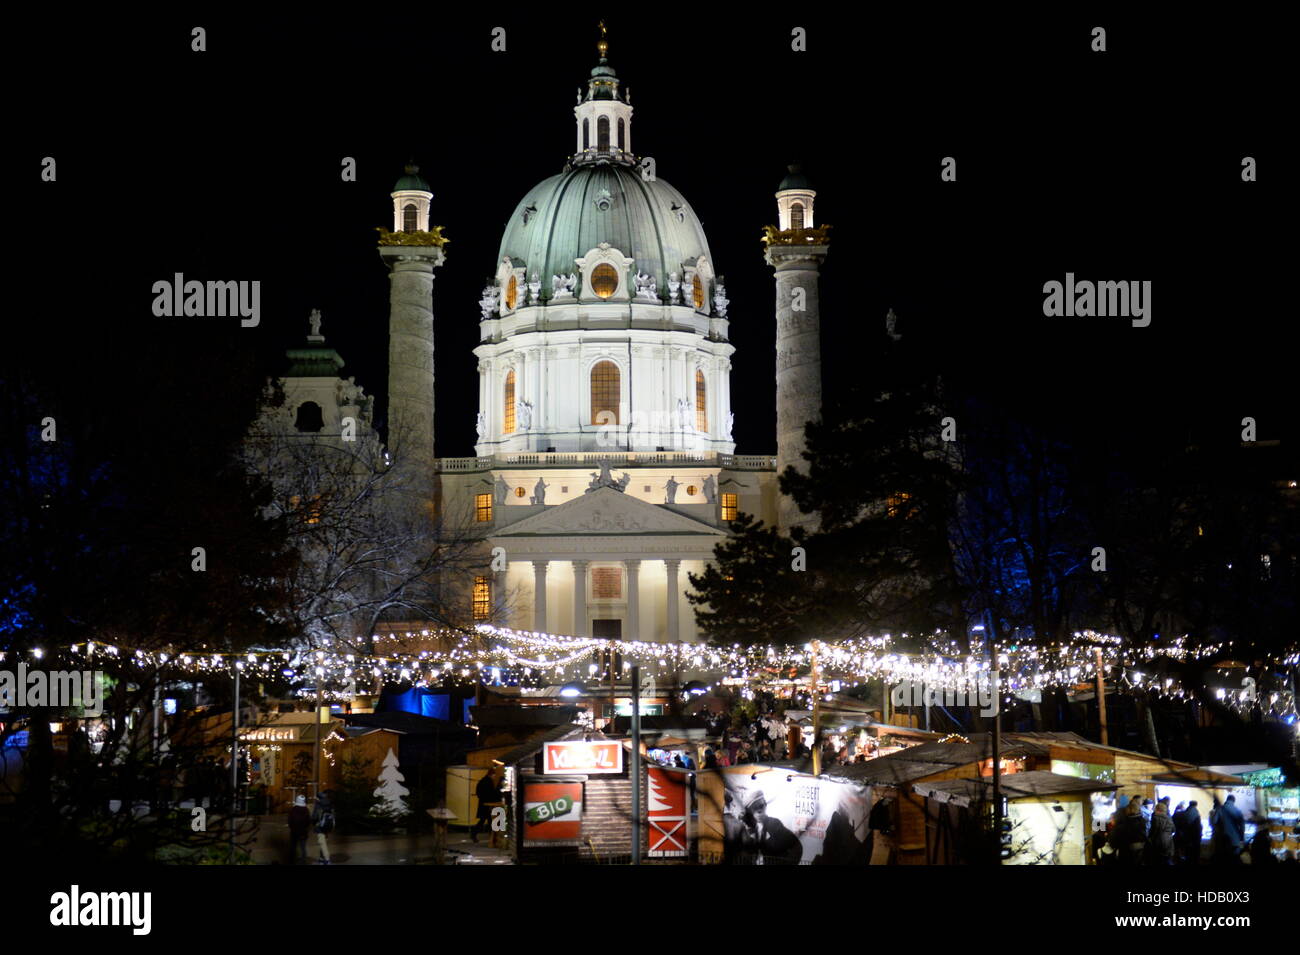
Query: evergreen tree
{"type": "Point", "coordinates": [884, 487]}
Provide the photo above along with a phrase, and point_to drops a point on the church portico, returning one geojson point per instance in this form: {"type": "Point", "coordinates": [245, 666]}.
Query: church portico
{"type": "Point", "coordinates": [626, 565]}
{"type": "Point", "coordinates": [602, 595]}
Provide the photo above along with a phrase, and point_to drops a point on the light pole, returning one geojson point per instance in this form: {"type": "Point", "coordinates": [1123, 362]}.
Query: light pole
{"type": "Point", "coordinates": [636, 765]}
{"type": "Point", "coordinates": [234, 761]}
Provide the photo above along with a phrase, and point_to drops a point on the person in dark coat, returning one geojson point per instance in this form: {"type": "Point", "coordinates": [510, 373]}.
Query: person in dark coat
{"type": "Point", "coordinates": [322, 815]}
{"type": "Point", "coordinates": [299, 826]}
{"type": "Point", "coordinates": [1229, 832]}
{"type": "Point", "coordinates": [1177, 817]}
{"type": "Point", "coordinates": [1130, 835]}
{"type": "Point", "coordinates": [489, 796]}
{"type": "Point", "coordinates": [1261, 847]}
{"type": "Point", "coordinates": [1188, 825]}
{"type": "Point", "coordinates": [1160, 841]}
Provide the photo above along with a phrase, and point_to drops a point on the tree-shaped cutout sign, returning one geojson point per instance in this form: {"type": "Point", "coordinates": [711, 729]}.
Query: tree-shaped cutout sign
{"type": "Point", "coordinates": [391, 793]}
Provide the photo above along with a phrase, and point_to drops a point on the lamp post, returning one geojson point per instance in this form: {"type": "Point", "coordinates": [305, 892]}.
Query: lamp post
{"type": "Point", "coordinates": [636, 765]}
{"type": "Point", "coordinates": [816, 710]}
{"type": "Point", "coordinates": [1101, 695]}
{"type": "Point", "coordinates": [997, 759]}
{"type": "Point", "coordinates": [234, 761]}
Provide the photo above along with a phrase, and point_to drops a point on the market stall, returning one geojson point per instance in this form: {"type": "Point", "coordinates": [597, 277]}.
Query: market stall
{"type": "Point", "coordinates": [1206, 786]}
{"type": "Point", "coordinates": [1279, 808]}
{"type": "Point", "coordinates": [1049, 816]}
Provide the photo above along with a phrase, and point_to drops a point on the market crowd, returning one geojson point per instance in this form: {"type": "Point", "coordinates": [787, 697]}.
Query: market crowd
{"type": "Point", "coordinates": [1149, 833]}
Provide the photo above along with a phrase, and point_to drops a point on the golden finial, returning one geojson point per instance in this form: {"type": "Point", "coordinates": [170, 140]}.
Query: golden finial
{"type": "Point", "coordinates": [603, 45]}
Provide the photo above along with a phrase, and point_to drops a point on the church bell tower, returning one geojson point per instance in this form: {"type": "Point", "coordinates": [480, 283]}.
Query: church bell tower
{"type": "Point", "coordinates": [412, 250]}
{"type": "Point", "coordinates": [796, 249]}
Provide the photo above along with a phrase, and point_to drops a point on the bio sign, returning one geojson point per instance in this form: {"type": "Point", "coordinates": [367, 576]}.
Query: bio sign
{"type": "Point", "coordinates": [597, 757]}
{"type": "Point", "coordinates": [552, 814]}
{"type": "Point", "coordinates": [546, 811]}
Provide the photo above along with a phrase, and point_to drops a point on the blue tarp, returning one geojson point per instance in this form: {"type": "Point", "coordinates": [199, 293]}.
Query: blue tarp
{"type": "Point", "coordinates": [422, 703]}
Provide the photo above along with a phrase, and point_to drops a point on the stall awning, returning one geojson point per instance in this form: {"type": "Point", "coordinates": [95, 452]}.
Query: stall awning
{"type": "Point", "coordinates": [1196, 777]}
{"type": "Point", "coordinates": [963, 792]}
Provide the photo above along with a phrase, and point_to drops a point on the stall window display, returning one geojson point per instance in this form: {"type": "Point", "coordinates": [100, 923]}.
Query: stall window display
{"type": "Point", "coordinates": [1279, 807]}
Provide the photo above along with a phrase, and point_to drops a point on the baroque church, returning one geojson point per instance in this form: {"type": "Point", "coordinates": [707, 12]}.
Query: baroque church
{"type": "Point", "coordinates": [604, 469]}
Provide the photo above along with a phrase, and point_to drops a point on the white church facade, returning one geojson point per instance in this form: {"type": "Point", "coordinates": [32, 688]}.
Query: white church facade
{"type": "Point", "coordinates": [604, 470]}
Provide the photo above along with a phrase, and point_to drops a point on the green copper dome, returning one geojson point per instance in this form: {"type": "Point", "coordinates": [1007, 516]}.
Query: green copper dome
{"type": "Point", "coordinates": [564, 217]}
{"type": "Point", "coordinates": [411, 180]}
{"type": "Point", "coordinates": [795, 180]}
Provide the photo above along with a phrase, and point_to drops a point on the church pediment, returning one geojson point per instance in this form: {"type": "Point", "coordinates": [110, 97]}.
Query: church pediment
{"type": "Point", "coordinates": [607, 511]}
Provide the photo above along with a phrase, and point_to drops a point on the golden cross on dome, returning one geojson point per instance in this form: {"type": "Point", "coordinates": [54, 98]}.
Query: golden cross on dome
{"type": "Point", "coordinates": [603, 45]}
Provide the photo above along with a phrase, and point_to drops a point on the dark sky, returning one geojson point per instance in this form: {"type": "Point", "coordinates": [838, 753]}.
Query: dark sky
{"type": "Point", "coordinates": [1123, 165]}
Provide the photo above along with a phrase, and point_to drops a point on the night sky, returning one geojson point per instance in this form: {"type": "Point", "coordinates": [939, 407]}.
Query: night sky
{"type": "Point", "coordinates": [1122, 166]}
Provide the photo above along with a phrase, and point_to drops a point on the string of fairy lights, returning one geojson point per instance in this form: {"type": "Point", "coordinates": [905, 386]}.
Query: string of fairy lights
{"type": "Point", "coordinates": [503, 656]}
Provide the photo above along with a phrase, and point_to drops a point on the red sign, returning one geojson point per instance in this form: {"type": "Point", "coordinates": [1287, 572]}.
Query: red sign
{"type": "Point", "coordinates": [666, 807]}
{"type": "Point", "coordinates": [576, 756]}
{"type": "Point", "coordinates": [552, 814]}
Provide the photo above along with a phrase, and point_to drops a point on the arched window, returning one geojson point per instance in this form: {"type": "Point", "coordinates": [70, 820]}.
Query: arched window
{"type": "Point", "coordinates": [701, 406]}
{"type": "Point", "coordinates": [697, 291]}
{"type": "Point", "coordinates": [309, 417]}
{"type": "Point", "coordinates": [621, 134]}
{"type": "Point", "coordinates": [409, 218]}
{"type": "Point", "coordinates": [604, 393]}
{"type": "Point", "coordinates": [604, 280]}
{"type": "Point", "coordinates": [586, 135]}
{"type": "Point", "coordinates": [796, 215]}
{"type": "Point", "coordinates": [512, 292]}
{"type": "Point", "coordinates": [509, 426]}
{"type": "Point", "coordinates": [602, 134]}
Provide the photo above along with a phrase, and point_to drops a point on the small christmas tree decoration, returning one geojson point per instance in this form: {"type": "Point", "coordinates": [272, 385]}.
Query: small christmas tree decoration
{"type": "Point", "coordinates": [391, 793]}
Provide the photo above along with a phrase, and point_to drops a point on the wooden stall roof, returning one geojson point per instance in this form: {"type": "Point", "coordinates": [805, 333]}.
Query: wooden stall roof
{"type": "Point", "coordinates": [1075, 741]}
{"type": "Point", "coordinates": [887, 729]}
{"type": "Point", "coordinates": [963, 792]}
{"type": "Point", "coordinates": [884, 771]}
{"type": "Point", "coordinates": [979, 748]}
{"type": "Point", "coordinates": [1198, 777]}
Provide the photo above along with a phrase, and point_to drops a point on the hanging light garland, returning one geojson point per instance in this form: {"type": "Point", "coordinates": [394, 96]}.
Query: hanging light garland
{"type": "Point", "coordinates": [503, 656]}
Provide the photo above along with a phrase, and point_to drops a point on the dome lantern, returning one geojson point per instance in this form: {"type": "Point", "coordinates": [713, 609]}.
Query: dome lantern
{"type": "Point", "coordinates": [794, 200]}
{"type": "Point", "coordinates": [411, 199]}
{"type": "Point", "coordinates": [604, 120]}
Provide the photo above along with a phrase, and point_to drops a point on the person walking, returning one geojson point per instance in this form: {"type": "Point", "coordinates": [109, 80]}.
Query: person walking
{"type": "Point", "coordinates": [323, 816]}
{"type": "Point", "coordinates": [299, 824]}
{"type": "Point", "coordinates": [490, 797]}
